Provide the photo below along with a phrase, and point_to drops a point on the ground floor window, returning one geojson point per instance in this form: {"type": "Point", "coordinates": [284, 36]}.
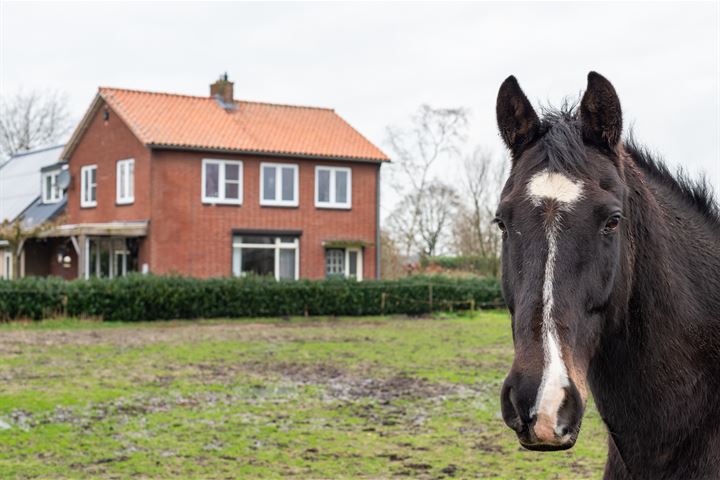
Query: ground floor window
{"type": "Point", "coordinates": [266, 255]}
{"type": "Point", "coordinates": [343, 262]}
{"type": "Point", "coordinates": [110, 257]}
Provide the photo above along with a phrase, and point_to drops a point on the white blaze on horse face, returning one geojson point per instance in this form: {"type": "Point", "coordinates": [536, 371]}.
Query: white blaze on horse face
{"type": "Point", "coordinates": [555, 186]}
{"type": "Point", "coordinates": [565, 192]}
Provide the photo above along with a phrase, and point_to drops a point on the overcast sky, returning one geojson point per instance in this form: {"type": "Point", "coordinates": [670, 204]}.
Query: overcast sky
{"type": "Point", "coordinates": [375, 63]}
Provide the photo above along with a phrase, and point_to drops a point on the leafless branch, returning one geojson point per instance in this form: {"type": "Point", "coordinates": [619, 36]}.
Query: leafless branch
{"type": "Point", "coordinates": [31, 120]}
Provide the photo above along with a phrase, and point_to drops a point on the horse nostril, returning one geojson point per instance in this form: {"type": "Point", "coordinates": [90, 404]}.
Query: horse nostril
{"type": "Point", "coordinates": [509, 408]}
{"type": "Point", "coordinates": [562, 431]}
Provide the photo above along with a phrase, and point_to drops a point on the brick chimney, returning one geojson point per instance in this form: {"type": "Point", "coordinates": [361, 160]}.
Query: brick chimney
{"type": "Point", "coordinates": [222, 89]}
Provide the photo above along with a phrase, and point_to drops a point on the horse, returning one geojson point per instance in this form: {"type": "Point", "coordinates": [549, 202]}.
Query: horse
{"type": "Point", "coordinates": [611, 273]}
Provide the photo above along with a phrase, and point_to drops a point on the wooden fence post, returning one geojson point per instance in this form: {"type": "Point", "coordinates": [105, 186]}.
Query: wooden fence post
{"type": "Point", "coordinates": [430, 295]}
{"type": "Point", "coordinates": [382, 302]}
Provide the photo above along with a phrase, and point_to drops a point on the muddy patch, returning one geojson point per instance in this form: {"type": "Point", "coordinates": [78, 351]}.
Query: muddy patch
{"type": "Point", "coordinates": [342, 384]}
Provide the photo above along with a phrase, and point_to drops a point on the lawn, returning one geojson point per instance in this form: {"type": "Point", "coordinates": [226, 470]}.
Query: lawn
{"type": "Point", "coordinates": [369, 397]}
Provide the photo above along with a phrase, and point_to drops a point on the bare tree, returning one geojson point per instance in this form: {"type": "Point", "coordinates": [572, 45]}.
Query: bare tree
{"type": "Point", "coordinates": [391, 265]}
{"type": "Point", "coordinates": [402, 226]}
{"type": "Point", "coordinates": [438, 204]}
{"type": "Point", "coordinates": [434, 133]}
{"type": "Point", "coordinates": [422, 220]}
{"type": "Point", "coordinates": [474, 232]}
{"type": "Point", "coordinates": [30, 120]}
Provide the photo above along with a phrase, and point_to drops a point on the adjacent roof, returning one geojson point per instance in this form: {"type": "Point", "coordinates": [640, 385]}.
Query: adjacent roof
{"type": "Point", "coordinates": [162, 120]}
{"type": "Point", "coordinates": [39, 212]}
{"type": "Point", "coordinates": [20, 179]}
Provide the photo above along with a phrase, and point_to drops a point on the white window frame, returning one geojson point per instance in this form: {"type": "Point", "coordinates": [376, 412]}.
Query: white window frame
{"type": "Point", "coordinates": [7, 270]}
{"type": "Point", "coordinates": [277, 245]}
{"type": "Point", "coordinates": [333, 203]}
{"type": "Point", "coordinates": [123, 166]}
{"type": "Point", "coordinates": [84, 186]}
{"type": "Point", "coordinates": [346, 260]}
{"type": "Point", "coordinates": [112, 253]}
{"type": "Point", "coordinates": [278, 202]}
{"type": "Point", "coordinates": [359, 274]}
{"type": "Point", "coordinates": [220, 199]}
{"type": "Point", "coordinates": [55, 193]}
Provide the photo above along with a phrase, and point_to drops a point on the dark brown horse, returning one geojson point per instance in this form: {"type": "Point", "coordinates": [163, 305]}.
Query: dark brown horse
{"type": "Point", "coordinates": [611, 271]}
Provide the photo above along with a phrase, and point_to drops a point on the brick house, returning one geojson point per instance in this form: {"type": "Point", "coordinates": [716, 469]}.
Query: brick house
{"type": "Point", "coordinates": [211, 186]}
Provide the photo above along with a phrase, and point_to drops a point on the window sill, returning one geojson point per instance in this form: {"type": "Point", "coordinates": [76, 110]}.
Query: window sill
{"type": "Point", "coordinates": [208, 201]}
{"type": "Point", "coordinates": [125, 202]}
{"type": "Point", "coordinates": [88, 205]}
{"type": "Point", "coordinates": [281, 205]}
{"type": "Point", "coordinates": [328, 206]}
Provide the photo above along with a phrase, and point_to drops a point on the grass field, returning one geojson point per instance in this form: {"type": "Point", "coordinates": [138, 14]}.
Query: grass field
{"type": "Point", "coordinates": [372, 397]}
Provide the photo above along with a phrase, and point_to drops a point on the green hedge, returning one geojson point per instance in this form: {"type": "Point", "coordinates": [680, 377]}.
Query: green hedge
{"type": "Point", "coordinates": [147, 297]}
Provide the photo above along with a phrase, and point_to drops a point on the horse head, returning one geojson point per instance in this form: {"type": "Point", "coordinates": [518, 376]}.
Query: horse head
{"type": "Point", "coordinates": [561, 214]}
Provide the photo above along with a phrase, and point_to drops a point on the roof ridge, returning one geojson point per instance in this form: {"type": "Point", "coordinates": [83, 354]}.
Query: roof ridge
{"type": "Point", "coordinates": [152, 92]}
{"type": "Point", "coordinates": [208, 97]}
{"type": "Point", "coordinates": [286, 105]}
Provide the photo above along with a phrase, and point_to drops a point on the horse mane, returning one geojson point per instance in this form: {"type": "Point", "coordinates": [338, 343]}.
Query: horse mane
{"type": "Point", "coordinates": [562, 137]}
{"type": "Point", "coordinates": [697, 193]}
{"type": "Point", "coordinates": [562, 140]}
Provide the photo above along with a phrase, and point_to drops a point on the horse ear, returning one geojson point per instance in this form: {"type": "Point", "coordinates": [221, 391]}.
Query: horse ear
{"type": "Point", "coordinates": [600, 112]}
{"type": "Point", "coordinates": [517, 121]}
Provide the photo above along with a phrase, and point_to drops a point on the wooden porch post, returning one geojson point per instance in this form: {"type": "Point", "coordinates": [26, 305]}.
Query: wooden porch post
{"type": "Point", "coordinates": [81, 255]}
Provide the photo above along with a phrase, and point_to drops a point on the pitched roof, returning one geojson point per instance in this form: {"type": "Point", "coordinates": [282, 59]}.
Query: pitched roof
{"type": "Point", "coordinates": [163, 120]}
{"type": "Point", "coordinates": [39, 212]}
{"type": "Point", "coordinates": [20, 179]}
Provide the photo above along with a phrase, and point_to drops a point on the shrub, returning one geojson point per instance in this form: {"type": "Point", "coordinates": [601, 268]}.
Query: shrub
{"type": "Point", "coordinates": [31, 297]}
{"type": "Point", "coordinates": [148, 297]}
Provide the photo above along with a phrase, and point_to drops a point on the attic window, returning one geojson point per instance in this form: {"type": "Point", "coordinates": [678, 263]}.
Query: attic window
{"type": "Point", "coordinates": [51, 192]}
{"type": "Point", "coordinates": [88, 186]}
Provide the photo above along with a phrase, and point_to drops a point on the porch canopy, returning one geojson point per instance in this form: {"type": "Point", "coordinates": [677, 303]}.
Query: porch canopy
{"type": "Point", "coordinates": [79, 233]}
{"type": "Point", "coordinates": [120, 229]}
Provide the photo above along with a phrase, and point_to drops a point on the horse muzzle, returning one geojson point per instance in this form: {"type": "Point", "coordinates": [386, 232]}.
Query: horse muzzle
{"type": "Point", "coordinates": [541, 430]}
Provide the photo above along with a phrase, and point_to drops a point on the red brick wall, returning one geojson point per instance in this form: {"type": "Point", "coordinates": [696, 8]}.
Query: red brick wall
{"type": "Point", "coordinates": [57, 269]}
{"type": "Point", "coordinates": [103, 144]}
{"type": "Point", "coordinates": [193, 238]}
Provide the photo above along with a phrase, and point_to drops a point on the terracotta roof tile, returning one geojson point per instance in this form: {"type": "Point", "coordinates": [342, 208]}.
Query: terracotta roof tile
{"type": "Point", "coordinates": [162, 119]}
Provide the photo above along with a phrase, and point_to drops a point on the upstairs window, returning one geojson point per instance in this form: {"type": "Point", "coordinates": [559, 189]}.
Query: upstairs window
{"type": "Point", "coordinates": [88, 186]}
{"type": "Point", "coordinates": [333, 187]}
{"type": "Point", "coordinates": [125, 187]}
{"type": "Point", "coordinates": [222, 181]}
{"type": "Point", "coordinates": [279, 184]}
{"type": "Point", "coordinates": [51, 192]}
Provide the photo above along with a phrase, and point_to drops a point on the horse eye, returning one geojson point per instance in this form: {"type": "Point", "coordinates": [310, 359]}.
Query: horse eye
{"type": "Point", "coordinates": [500, 225]}
{"type": "Point", "coordinates": [612, 224]}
